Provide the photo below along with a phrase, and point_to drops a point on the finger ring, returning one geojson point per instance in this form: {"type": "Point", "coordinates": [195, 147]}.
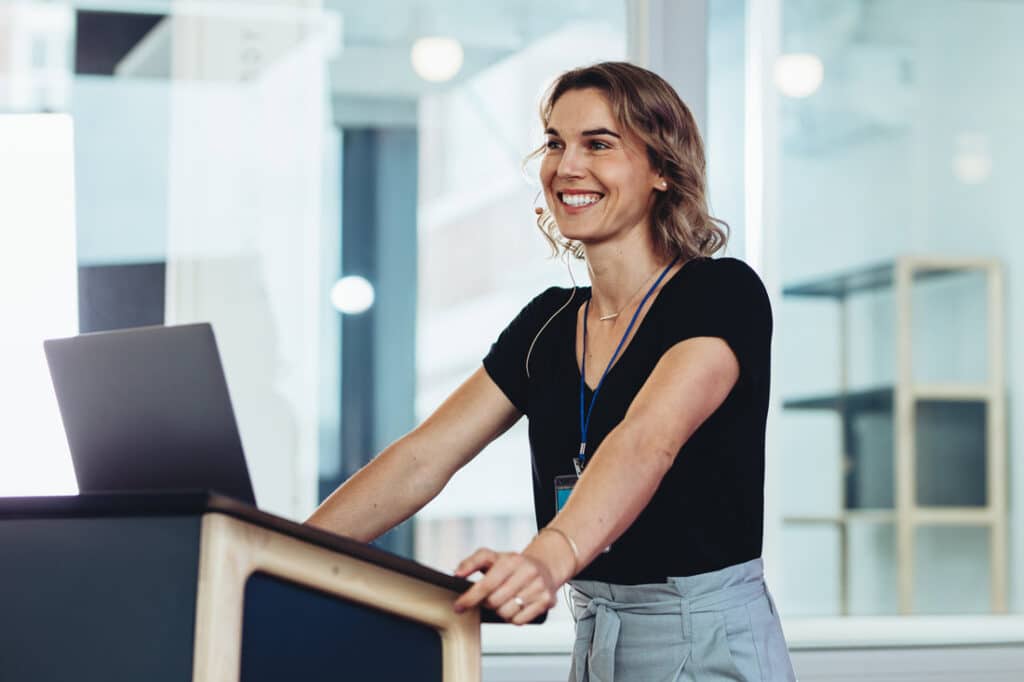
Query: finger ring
{"type": "Point", "coordinates": [519, 602]}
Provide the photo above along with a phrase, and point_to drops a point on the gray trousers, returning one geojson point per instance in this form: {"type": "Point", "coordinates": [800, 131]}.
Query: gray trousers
{"type": "Point", "coordinates": [721, 625]}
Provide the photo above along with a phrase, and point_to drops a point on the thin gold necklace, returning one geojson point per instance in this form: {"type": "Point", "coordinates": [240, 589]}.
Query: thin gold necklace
{"type": "Point", "coordinates": [612, 316]}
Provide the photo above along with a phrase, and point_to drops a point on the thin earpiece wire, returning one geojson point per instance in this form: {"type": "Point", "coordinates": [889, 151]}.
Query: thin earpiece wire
{"type": "Point", "coordinates": [566, 596]}
{"type": "Point", "coordinates": [565, 257]}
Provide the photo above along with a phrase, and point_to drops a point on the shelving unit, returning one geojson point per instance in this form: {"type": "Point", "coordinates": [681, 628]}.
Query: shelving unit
{"type": "Point", "coordinates": [935, 427]}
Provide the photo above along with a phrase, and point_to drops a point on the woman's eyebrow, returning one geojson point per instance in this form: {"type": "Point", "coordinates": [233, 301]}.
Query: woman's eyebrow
{"type": "Point", "coordinates": [601, 131]}
{"type": "Point", "coordinates": [586, 133]}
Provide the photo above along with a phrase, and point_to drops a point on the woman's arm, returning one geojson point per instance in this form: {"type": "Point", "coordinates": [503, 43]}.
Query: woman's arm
{"type": "Point", "coordinates": [690, 382]}
{"type": "Point", "coordinates": [414, 469]}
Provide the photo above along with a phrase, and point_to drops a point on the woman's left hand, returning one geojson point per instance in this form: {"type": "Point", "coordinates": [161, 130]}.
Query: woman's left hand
{"type": "Point", "coordinates": [517, 586]}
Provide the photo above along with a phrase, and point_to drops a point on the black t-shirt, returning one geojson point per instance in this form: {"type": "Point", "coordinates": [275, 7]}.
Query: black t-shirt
{"type": "Point", "coordinates": [708, 512]}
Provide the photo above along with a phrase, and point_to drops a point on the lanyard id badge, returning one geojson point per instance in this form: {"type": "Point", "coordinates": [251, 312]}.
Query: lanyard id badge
{"type": "Point", "coordinates": [563, 488]}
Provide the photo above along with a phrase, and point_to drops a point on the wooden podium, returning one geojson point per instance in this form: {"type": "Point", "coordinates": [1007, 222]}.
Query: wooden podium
{"type": "Point", "coordinates": [197, 586]}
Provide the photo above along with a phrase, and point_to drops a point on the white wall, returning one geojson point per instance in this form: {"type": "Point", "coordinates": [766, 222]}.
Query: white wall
{"type": "Point", "coordinates": [38, 297]}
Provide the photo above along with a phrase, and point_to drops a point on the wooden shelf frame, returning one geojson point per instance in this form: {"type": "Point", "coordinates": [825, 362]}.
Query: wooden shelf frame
{"type": "Point", "coordinates": [901, 398]}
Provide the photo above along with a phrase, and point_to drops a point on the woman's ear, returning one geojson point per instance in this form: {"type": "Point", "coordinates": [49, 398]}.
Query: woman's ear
{"type": "Point", "coordinates": [660, 184]}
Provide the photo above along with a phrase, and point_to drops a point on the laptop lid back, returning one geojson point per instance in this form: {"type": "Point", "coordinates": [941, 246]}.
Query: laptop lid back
{"type": "Point", "coordinates": [148, 409]}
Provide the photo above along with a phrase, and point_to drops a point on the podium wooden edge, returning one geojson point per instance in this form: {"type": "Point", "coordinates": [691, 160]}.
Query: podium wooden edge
{"type": "Point", "coordinates": [231, 550]}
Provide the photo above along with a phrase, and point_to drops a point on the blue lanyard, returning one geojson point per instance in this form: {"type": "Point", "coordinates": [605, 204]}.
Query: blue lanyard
{"type": "Point", "coordinates": [581, 461]}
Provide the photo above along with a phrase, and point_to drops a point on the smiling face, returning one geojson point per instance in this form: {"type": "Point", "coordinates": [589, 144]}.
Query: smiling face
{"type": "Point", "coordinates": [597, 178]}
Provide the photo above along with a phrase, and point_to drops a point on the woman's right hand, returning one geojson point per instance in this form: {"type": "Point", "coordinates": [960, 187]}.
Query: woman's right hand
{"type": "Point", "coordinates": [518, 586]}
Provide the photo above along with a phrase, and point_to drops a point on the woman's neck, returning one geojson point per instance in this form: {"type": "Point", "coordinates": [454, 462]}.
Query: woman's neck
{"type": "Point", "coordinates": [618, 271]}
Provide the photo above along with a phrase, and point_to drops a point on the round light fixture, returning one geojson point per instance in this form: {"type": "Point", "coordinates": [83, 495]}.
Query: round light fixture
{"type": "Point", "coordinates": [798, 74]}
{"type": "Point", "coordinates": [352, 295]}
{"type": "Point", "coordinates": [436, 59]}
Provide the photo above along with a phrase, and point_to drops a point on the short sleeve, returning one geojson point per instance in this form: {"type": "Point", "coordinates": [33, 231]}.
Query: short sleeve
{"type": "Point", "coordinates": [726, 299]}
{"type": "Point", "coordinates": [506, 361]}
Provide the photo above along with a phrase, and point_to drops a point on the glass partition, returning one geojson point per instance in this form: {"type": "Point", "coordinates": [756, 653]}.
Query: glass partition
{"type": "Point", "coordinates": [897, 254]}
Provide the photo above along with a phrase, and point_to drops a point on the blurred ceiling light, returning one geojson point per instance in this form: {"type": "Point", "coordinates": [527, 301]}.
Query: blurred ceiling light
{"type": "Point", "coordinates": [352, 295]}
{"type": "Point", "coordinates": [972, 160]}
{"type": "Point", "coordinates": [798, 74]}
{"type": "Point", "coordinates": [436, 59]}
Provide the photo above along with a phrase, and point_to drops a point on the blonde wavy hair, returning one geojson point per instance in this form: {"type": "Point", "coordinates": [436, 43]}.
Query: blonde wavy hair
{"type": "Point", "coordinates": [643, 103]}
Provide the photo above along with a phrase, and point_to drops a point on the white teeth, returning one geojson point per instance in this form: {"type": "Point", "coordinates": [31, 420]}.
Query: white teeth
{"type": "Point", "coordinates": [580, 199]}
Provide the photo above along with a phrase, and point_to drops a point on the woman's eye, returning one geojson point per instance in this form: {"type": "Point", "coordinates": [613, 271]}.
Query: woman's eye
{"type": "Point", "coordinates": [599, 145]}
{"type": "Point", "coordinates": [552, 144]}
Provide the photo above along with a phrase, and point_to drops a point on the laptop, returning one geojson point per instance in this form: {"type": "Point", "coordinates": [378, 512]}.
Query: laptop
{"type": "Point", "coordinates": [147, 409]}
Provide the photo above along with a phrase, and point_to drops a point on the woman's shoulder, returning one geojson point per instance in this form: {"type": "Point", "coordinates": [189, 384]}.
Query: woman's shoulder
{"type": "Point", "coordinates": [724, 275]}
{"type": "Point", "coordinates": [725, 266]}
{"type": "Point", "coordinates": [540, 309]}
{"type": "Point", "coordinates": [711, 286]}
{"type": "Point", "coordinates": [556, 293]}
{"type": "Point", "coordinates": [550, 300]}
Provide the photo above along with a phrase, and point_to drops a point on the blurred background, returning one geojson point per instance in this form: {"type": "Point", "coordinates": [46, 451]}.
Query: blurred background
{"type": "Point", "coordinates": [339, 187]}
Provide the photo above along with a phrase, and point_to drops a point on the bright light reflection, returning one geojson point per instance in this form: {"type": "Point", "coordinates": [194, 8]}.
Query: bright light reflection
{"type": "Point", "coordinates": [436, 59]}
{"type": "Point", "coordinates": [352, 295]}
{"type": "Point", "coordinates": [972, 158]}
{"type": "Point", "coordinates": [798, 74]}
{"type": "Point", "coordinates": [38, 297]}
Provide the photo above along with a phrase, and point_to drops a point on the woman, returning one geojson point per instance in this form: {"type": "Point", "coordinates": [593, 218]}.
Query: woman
{"type": "Point", "coordinates": [646, 396]}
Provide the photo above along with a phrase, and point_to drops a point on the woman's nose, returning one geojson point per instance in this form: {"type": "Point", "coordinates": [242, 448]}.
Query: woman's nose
{"type": "Point", "coordinates": [572, 164]}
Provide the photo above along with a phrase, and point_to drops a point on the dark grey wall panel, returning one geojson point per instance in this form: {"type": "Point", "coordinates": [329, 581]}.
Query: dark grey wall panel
{"type": "Point", "coordinates": [102, 39]}
{"type": "Point", "coordinates": [120, 296]}
{"type": "Point", "coordinates": [378, 347]}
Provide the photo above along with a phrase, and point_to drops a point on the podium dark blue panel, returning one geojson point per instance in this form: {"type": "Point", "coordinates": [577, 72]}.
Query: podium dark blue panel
{"type": "Point", "coordinates": [291, 632]}
{"type": "Point", "coordinates": [98, 599]}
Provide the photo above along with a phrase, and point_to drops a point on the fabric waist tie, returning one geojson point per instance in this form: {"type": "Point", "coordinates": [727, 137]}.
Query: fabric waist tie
{"type": "Point", "coordinates": [597, 629]}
